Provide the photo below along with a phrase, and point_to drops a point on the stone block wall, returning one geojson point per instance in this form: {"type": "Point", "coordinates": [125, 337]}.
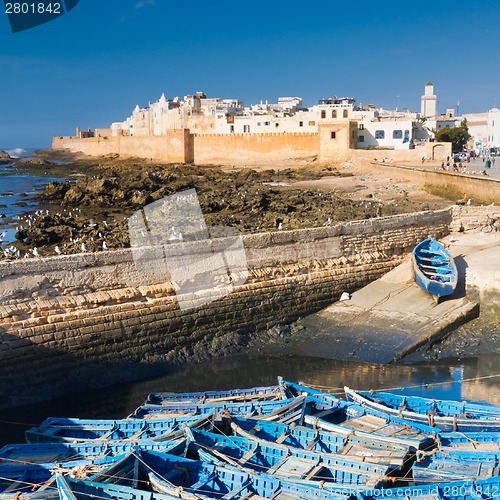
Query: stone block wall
{"type": "Point", "coordinates": [88, 320]}
{"type": "Point", "coordinates": [469, 218]}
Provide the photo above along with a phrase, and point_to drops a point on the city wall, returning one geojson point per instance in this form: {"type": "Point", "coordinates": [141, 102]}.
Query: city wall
{"type": "Point", "coordinates": [88, 320]}
{"type": "Point", "coordinates": [241, 149]}
{"type": "Point", "coordinates": [447, 184]}
{"type": "Point", "coordinates": [183, 147]}
{"type": "Point", "coordinates": [435, 151]}
{"type": "Point", "coordinates": [173, 147]}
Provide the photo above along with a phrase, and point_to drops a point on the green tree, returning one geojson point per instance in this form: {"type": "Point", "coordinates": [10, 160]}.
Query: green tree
{"type": "Point", "coordinates": [458, 136]}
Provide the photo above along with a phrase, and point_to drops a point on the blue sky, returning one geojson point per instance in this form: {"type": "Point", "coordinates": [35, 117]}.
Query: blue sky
{"type": "Point", "coordinates": [93, 65]}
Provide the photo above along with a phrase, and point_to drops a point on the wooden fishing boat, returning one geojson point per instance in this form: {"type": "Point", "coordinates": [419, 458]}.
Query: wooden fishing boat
{"type": "Point", "coordinates": [293, 464]}
{"type": "Point", "coordinates": [178, 477]}
{"type": "Point", "coordinates": [35, 481]}
{"type": "Point", "coordinates": [72, 430]}
{"type": "Point", "coordinates": [349, 417]}
{"type": "Point", "coordinates": [394, 453]}
{"type": "Point", "coordinates": [444, 415]}
{"type": "Point", "coordinates": [455, 465]}
{"type": "Point", "coordinates": [472, 441]}
{"type": "Point", "coordinates": [40, 453]}
{"type": "Point", "coordinates": [231, 395]}
{"type": "Point", "coordinates": [434, 268]}
{"type": "Point", "coordinates": [267, 409]}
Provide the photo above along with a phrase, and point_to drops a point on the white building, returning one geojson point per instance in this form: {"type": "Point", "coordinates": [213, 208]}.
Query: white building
{"type": "Point", "coordinates": [484, 129]}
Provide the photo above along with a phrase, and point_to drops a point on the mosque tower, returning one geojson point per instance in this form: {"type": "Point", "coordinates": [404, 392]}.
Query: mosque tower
{"type": "Point", "coordinates": [428, 107]}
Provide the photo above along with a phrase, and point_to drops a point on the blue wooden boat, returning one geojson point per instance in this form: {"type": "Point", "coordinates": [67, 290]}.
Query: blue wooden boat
{"type": "Point", "coordinates": [177, 477]}
{"type": "Point", "coordinates": [40, 453]}
{"type": "Point", "coordinates": [434, 268]}
{"type": "Point", "coordinates": [35, 480]}
{"type": "Point", "coordinates": [72, 430]}
{"type": "Point", "coordinates": [472, 441]}
{"type": "Point", "coordinates": [444, 415]}
{"type": "Point", "coordinates": [455, 465]}
{"type": "Point", "coordinates": [286, 462]}
{"type": "Point", "coordinates": [291, 409]}
{"type": "Point", "coordinates": [397, 454]}
{"type": "Point", "coordinates": [204, 397]}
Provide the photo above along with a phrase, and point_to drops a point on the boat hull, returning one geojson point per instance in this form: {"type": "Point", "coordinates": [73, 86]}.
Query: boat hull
{"type": "Point", "coordinates": [434, 268]}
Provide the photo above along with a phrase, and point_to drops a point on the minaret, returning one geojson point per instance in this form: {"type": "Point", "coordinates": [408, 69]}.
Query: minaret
{"type": "Point", "coordinates": [428, 108]}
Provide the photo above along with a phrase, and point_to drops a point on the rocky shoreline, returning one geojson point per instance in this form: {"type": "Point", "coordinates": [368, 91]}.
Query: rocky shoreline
{"type": "Point", "coordinates": [92, 207]}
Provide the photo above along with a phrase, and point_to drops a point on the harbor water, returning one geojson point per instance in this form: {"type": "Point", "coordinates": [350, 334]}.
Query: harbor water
{"type": "Point", "coordinates": [474, 379]}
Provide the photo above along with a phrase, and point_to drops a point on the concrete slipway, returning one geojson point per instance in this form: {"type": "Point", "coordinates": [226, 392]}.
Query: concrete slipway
{"type": "Point", "coordinates": [392, 316]}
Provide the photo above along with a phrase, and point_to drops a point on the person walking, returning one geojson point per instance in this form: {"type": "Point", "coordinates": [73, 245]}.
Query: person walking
{"type": "Point", "coordinates": [487, 164]}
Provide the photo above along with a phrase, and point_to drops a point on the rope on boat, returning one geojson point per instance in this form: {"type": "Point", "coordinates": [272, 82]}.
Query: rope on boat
{"type": "Point", "coordinates": [340, 390]}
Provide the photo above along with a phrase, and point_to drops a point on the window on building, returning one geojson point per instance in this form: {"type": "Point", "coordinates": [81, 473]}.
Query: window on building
{"type": "Point", "coordinates": [246, 128]}
{"type": "Point", "coordinates": [267, 124]}
{"type": "Point", "coordinates": [361, 138]}
{"type": "Point", "coordinates": [334, 113]}
{"type": "Point", "coordinates": [312, 123]}
{"type": "Point", "coordinates": [407, 136]}
{"type": "Point", "coordinates": [345, 114]}
{"type": "Point", "coordinates": [361, 126]}
{"type": "Point", "coordinates": [301, 124]}
{"type": "Point", "coordinates": [231, 129]}
{"type": "Point", "coordinates": [333, 135]}
{"type": "Point", "coordinates": [277, 124]}
{"type": "Point", "coordinates": [323, 114]}
{"type": "Point", "coordinates": [258, 124]}
{"type": "Point", "coordinates": [397, 134]}
{"type": "Point", "coordinates": [379, 134]}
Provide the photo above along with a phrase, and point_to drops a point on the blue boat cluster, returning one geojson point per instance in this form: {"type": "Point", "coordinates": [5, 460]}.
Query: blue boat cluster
{"type": "Point", "coordinates": [282, 442]}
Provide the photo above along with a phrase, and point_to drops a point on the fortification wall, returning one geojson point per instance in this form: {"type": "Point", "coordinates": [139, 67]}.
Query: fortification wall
{"type": "Point", "coordinates": [437, 151]}
{"type": "Point", "coordinates": [88, 320]}
{"type": "Point", "coordinates": [181, 146]}
{"type": "Point", "coordinates": [248, 148]}
{"type": "Point", "coordinates": [173, 147]}
{"type": "Point", "coordinates": [447, 184]}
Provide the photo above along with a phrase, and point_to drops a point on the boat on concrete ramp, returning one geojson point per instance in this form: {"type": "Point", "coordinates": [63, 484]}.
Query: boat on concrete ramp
{"type": "Point", "coordinates": [434, 269]}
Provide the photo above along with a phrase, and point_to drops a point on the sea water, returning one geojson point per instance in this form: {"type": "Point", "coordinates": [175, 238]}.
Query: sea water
{"type": "Point", "coordinates": [17, 196]}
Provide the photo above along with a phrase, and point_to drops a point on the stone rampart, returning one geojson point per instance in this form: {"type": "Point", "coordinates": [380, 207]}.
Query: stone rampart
{"type": "Point", "coordinates": [249, 148]}
{"type": "Point", "coordinates": [87, 320]}
{"type": "Point", "coordinates": [447, 184]}
{"type": "Point", "coordinates": [335, 142]}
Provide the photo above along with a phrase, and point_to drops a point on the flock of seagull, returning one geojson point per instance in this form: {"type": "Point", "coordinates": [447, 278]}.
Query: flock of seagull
{"type": "Point", "coordinates": [29, 222]}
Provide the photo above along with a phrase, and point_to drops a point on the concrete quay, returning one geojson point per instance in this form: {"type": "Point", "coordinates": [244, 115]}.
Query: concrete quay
{"type": "Point", "coordinates": [392, 317]}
